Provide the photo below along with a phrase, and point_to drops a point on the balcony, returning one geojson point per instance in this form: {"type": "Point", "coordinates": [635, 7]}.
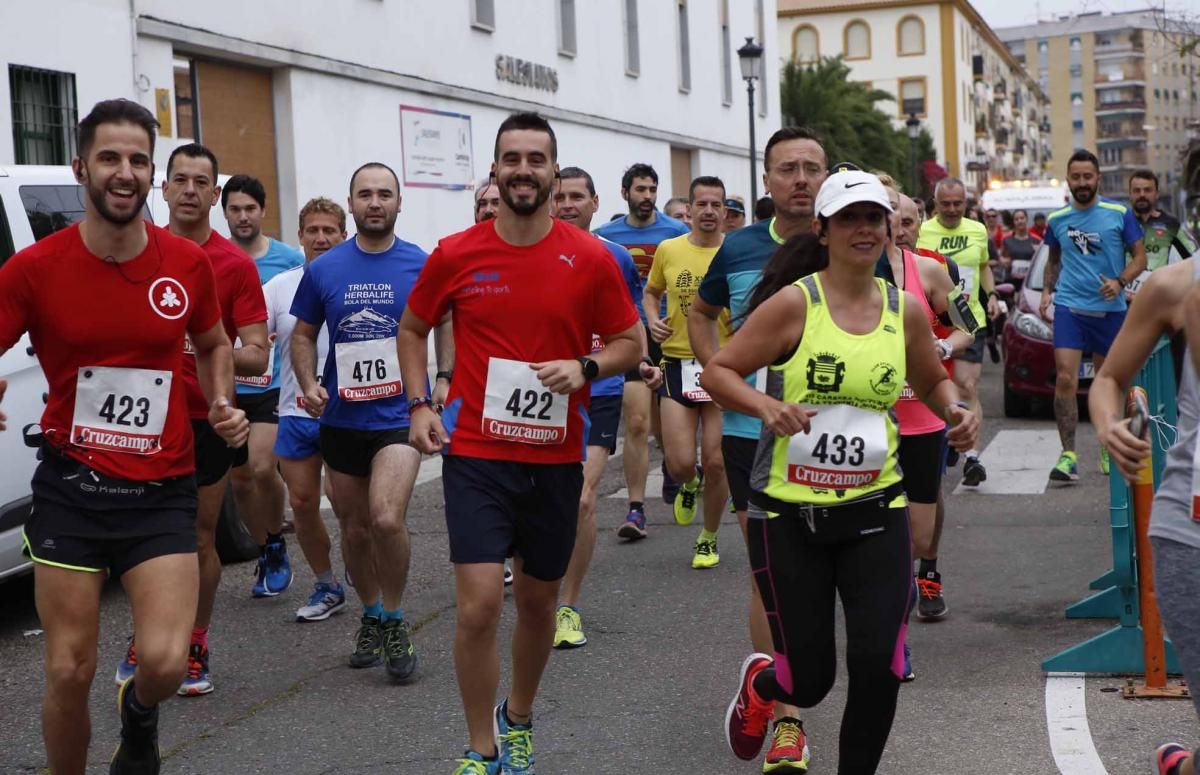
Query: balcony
{"type": "Point", "coordinates": [1119, 161]}
{"type": "Point", "coordinates": [1111, 77]}
{"type": "Point", "coordinates": [1120, 133]}
{"type": "Point", "coordinates": [1131, 46]}
{"type": "Point", "coordinates": [1116, 108]}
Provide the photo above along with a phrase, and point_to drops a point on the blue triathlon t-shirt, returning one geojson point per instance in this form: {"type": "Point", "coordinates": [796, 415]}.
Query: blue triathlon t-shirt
{"type": "Point", "coordinates": [1092, 241]}
{"type": "Point", "coordinates": [641, 242]}
{"type": "Point", "coordinates": [359, 297]}
{"type": "Point", "coordinates": [278, 258]}
{"type": "Point", "coordinates": [615, 386]}
{"type": "Point", "coordinates": [730, 281]}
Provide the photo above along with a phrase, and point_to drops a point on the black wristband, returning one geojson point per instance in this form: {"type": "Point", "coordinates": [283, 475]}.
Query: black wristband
{"type": "Point", "coordinates": [1121, 281]}
{"type": "Point", "coordinates": [646, 360]}
{"type": "Point", "coordinates": [446, 375]}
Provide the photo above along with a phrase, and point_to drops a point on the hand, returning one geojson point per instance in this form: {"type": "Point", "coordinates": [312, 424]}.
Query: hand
{"type": "Point", "coordinates": [561, 377]}
{"type": "Point", "coordinates": [993, 307]}
{"type": "Point", "coordinates": [964, 428]}
{"type": "Point", "coordinates": [426, 431]}
{"type": "Point", "coordinates": [229, 422]}
{"type": "Point", "coordinates": [1128, 452]}
{"type": "Point", "coordinates": [315, 399]}
{"type": "Point", "coordinates": [441, 390]}
{"type": "Point", "coordinates": [660, 331]}
{"type": "Point", "coordinates": [1044, 305]}
{"type": "Point", "coordinates": [785, 419]}
{"type": "Point", "coordinates": [1109, 289]}
{"type": "Point", "coordinates": [3, 417]}
{"type": "Point", "coordinates": [651, 375]}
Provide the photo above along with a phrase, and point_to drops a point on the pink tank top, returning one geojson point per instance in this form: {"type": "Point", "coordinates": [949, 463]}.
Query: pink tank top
{"type": "Point", "coordinates": [913, 416]}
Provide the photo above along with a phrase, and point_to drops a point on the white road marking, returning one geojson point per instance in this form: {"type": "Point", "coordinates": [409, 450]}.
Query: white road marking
{"type": "Point", "coordinates": [1017, 462]}
{"type": "Point", "coordinates": [1066, 720]}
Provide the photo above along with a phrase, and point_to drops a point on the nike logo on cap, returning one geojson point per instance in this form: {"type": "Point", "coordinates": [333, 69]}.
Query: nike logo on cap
{"type": "Point", "coordinates": [859, 183]}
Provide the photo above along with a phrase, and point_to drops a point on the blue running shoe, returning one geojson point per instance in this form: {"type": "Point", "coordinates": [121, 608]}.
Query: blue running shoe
{"type": "Point", "coordinates": [474, 764]}
{"type": "Point", "coordinates": [515, 742]}
{"type": "Point", "coordinates": [260, 578]}
{"type": "Point", "coordinates": [127, 666]}
{"type": "Point", "coordinates": [199, 679]}
{"type": "Point", "coordinates": [909, 675]}
{"type": "Point", "coordinates": [634, 527]}
{"type": "Point", "coordinates": [325, 601]}
{"type": "Point", "coordinates": [279, 568]}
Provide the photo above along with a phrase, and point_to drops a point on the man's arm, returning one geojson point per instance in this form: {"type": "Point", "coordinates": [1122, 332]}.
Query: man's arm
{"type": "Point", "coordinates": [214, 367]}
{"type": "Point", "coordinates": [443, 354]}
{"type": "Point", "coordinates": [252, 357]}
{"type": "Point", "coordinates": [426, 431]}
{"type": "Point", "coordinates": [702, 329]}
{"type": "Point", "coordinates": [651, 304]}
{"type": "Point", "coordinates": [1050, 278]}
{"type": "Point", "coordinates": [304, 365]}
{"type": "Point", "coordinates": [1135, 267]}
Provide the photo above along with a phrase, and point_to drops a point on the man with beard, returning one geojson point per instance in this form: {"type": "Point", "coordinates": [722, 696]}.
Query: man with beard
{"type": "Point", "coordinates": [1165, 238]}
{"type": "Point", "coordinates": [358, 290]}
{"type": "Point", "coordinates": [794, 167]}
{"type": "Point", "coordinates": [487, 200]}
{"type": "Point", "coordinates": [191, 191]}
{"type": "Point", "coordinates": [257, 485]}
{"type": "Point", "coordinates": [115, 493]}
{"type": "Point", "coordinates": [1086, 277]}
{"type": "Point", "coordinates": [513, 430]}
{"type": "Point", "coordinates": [640, 232]}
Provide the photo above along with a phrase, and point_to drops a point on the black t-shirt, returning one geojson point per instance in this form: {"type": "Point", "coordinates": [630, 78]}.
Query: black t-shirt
{"type": "Point", "coordinates": [1020, 249]}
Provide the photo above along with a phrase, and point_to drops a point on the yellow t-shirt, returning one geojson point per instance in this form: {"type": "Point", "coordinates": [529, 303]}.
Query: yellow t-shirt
{"type": "Point", "coordinates": [678, 268]}
{"type": "Point", "coordinates": [967, 245]}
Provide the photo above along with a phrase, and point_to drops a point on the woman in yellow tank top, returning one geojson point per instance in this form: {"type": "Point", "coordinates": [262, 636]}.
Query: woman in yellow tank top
{"type": "Point", "coordinates": [828, 509]}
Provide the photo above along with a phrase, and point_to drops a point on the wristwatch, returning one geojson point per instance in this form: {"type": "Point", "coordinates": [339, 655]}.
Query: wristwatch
{"type": "Point", "coordinates": [945, 349]}
{"type": "Point", "coordinates": [591, 369]}
{"type": "Point", "coordinates": [961, 404]}
{"type": "Point", "coordinates": [1121, 281]}
{"type": "Point", "coordinates": [446, 375]}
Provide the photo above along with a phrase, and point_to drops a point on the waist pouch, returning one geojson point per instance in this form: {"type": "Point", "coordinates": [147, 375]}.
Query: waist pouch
{"type": "Point", "coordinates": [840, 522]}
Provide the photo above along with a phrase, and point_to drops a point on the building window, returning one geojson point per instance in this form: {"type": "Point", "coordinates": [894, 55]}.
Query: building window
{"type": "Point", "coordinates": [806, 45]}
{"type": "Point", "coordinates": [187, 117]}
{"type": "Point", "coordinates": [856, 40]}
{"type": "Point", "coordinates": [43, 115]}
{"type": "Point", "coordinates": [726, 57]}
{"type": "Point", "coordinates": [632, 55]}
{"type": "Point", "coordinates": [912, 96]}
{"type": "Point", "coordinates": [685, 54]}
{"type": "Point", "coordinates": [910, 36]}
{"type": "Point", "coordinates": [566, 27]}
{"type": "Point", "coordinates": [483, 15]}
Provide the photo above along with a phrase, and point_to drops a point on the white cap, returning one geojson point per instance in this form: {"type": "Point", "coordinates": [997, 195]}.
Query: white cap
{"type": "Point", "coordinates": [847, 187]}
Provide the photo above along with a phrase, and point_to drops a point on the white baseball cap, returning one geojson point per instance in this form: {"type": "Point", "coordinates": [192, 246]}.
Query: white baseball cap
{"type": "Point", "coordinates": [847, 187]}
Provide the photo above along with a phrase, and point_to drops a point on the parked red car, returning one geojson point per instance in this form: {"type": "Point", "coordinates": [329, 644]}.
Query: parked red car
{"type": "Point", "coordinates": [1028, 345]}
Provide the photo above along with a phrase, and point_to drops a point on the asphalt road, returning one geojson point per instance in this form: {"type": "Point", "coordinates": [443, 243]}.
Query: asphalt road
{"type": "Point", "coordinates": [648, 693]}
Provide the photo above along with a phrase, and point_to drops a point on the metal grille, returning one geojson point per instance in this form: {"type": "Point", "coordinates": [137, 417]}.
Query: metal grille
{"type": "Point", "coordinates": [44, 115]}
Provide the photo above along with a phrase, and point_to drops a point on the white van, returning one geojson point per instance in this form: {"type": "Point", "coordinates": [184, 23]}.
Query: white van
{"type": "Point", "coordinates": [36, 202]}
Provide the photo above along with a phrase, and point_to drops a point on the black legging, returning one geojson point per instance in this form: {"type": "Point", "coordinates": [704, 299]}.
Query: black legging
{"type": "Point", "coordinates": [797, 579]}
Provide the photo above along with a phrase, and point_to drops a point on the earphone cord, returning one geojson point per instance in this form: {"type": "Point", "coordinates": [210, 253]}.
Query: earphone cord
{"type": "Point", "coordinates": [157, 268]}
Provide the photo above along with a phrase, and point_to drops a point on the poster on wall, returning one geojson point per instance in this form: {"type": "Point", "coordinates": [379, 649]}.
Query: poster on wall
{"type": "Point", "coordinates": [436, 148]}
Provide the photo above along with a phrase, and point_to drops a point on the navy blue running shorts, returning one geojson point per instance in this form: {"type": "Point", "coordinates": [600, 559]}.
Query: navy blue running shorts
{"type": "Point", "coordinates": [605, 417]}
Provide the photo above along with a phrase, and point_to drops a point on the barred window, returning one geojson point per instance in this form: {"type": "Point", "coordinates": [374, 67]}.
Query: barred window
{"type": "Point", "coordinates": [44, 115]}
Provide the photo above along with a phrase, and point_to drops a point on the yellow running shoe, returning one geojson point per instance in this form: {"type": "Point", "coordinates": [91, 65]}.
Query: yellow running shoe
{"type": "Point", "coordinates": [789, 748]}
{"type": "Point", "coordinates": [1104, 461]}
{"type": "Point", "coordinates": [706, 554]}
{"type": "Point", "coordinates": [685, 502]}
{"type": "Point", "coordinates": [568, 631]}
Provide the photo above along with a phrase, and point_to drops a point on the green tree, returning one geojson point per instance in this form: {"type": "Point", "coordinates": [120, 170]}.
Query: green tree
{"type": "Point", "coordinates": [821, 97]}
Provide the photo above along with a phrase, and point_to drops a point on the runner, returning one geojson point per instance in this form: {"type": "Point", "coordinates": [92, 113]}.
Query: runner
{"type": "Point", "coordinates": [115, 492]}
{"type": "Point", "coordinates": [514, 426]}
{"type": "Point", "coordinates": [1169, 303]}
{"type": "Point", "coordinates": [640, 232]}
{"type": "Point", "coordinates": [487, 200]}
{"type": "Point", "coordinates": [680, 264]}
{"type": "Point", "coordinates": [794, 166]}
{"type": "Point", "coordinates": [764, 209]}
{"type": "Point", "coordinates": [190, 190]}
{"type": "Point", "coordinates": [1019, 247]}
{"type": "Point", "coordinates": [838, 346]}
{"type": "Point", "coordinates": [1086, 275]}
{"type": "Point", "coordinates": [576, 203]}
{"type": "Point", "coordinates": [735, 214]}
{"type": "Point", "coordinates": [1165, 239]}
{"type": "Point", "coordinates": [298, 443]}
{"type": "Point", "coordinates": [966, 242]}
{"type": "Point", "coordinates": [257, 486]}
{"type": "Point", "coordinates": [677, 208]}
{"type": "Point", "coordinates": [357, 290]}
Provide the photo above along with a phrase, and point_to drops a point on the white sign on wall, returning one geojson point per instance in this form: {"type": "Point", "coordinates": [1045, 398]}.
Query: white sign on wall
{"type": "Point", "coordinates": [436, 147]}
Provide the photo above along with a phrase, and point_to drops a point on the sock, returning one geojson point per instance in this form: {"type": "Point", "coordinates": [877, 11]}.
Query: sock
{"type": "Point", "coordinates": [972, 453]}
{"type": "Point", "coordinates": [694, 484]}
{"type": "Point", "coordinates": [387, 615]}
{"type": "Point", "coordinates": [135, 712]}
{"type": "Point", "coordinates": [706, 536]}
{"type": "Point", "coordinates": [926, 567]}
{"type": "Point", "coordinates": [200, 636]}
{"type": "Point", "coordinates": [327, 578]}
{"type": "Point", "coordinates": [637, 506]}
{"type": "Point", "coordinates": [374, 609]}
{"type": "Point", "coordinates": [527, 724]}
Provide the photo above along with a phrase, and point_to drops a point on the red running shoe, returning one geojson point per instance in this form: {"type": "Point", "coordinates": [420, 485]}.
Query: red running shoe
{"type": "Point", "coordinates": [747, 719]}
{"type": "Point", "coordinates": [1169, 756]}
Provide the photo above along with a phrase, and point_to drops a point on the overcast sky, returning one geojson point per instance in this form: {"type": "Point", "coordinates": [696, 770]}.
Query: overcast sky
{"type": "Point", "coordinates": [1012, 13]}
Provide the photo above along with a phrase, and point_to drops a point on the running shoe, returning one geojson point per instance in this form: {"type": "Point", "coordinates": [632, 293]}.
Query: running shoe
{"type": "Point", "coordinates": [515, 742]}
{"type": "Point", "coordinates": [973, 472]}
{"type": "Point", "coordinates": [1169, 756]}
{"type": "Point", "coordinates": [325, 601]}
{"type": "Point", "coordinates": [685, 502]}
{"type": "Point", "coordinates": [930, 603]}
{"type": "Point", "coordinates": [706, 554]}
{"type": "Point", "coordinates": [474, 764]}
{"type": "Point", "coordinates": [278, 569]}
{"type": "Point", "coordinates": [137, 753]}
{"type": "Point", "coordinates": [399, 655]}
{"type": "Point", "coordinates": [789, 748]}
{"type": "Point", "coordinates": [634, 527]}
{"type": "Point", "coordinates": [909, 675]}
{"type": "Point", "coordinates": [1104, 461]}
{"type": "Point", "coordinates": [748, 714]}
{"type": "Point", "coordinates": [198, 680]}
{"type": "Point", "coordinates": [368, 643]}
{"type": "Point", "coordinates": [670, 487]}
{"type": "Point", "coordinates": [1066, 469]}
{"type": "Point", "coordinates": [508, 575]}
{"type": "Point", "coordinates": [568, 631]}
{"type": "Point", "coordinates": [127, 666]}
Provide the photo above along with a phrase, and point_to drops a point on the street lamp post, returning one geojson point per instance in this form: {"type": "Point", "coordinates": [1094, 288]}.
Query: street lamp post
{"type": "Point", "coordinates": [914, 131]}
{"type": "Point", "coordinates": [748, 56]}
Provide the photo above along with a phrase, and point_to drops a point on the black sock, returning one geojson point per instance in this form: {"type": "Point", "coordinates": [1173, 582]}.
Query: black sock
{"type": "Point", "coordinates": [926, 567]}
{"type": "Point", "coordinates": [637, 506]}
{"type": "Point", "coordinates": [136, 714]}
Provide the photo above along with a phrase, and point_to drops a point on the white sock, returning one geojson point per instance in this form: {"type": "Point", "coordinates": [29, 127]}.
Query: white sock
{"type": "Point", "coordinates": [973, 453]}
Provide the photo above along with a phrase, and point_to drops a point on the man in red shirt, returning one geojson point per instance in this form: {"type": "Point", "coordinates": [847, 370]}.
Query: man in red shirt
{"type": "Point", "coordinates": [513, 430]}
{"type": "Point", "coordinates": [190, 190]}
{"type": "Point", "coordinates": [115, 493]}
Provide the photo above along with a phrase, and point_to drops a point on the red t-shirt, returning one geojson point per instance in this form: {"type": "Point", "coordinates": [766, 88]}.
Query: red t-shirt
{"type": "Point", "coordinates": [939, 330]}
{"type": "Point", "coordinates": [107, 336]}
{"type": "Point", "coordinates": [514, 306]}
{"type": "Point", "coordinates": [242, 304]}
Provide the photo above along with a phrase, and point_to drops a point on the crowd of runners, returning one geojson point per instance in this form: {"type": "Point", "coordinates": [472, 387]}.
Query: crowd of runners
{"type": "Point", "coordinates": [809, 365]}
